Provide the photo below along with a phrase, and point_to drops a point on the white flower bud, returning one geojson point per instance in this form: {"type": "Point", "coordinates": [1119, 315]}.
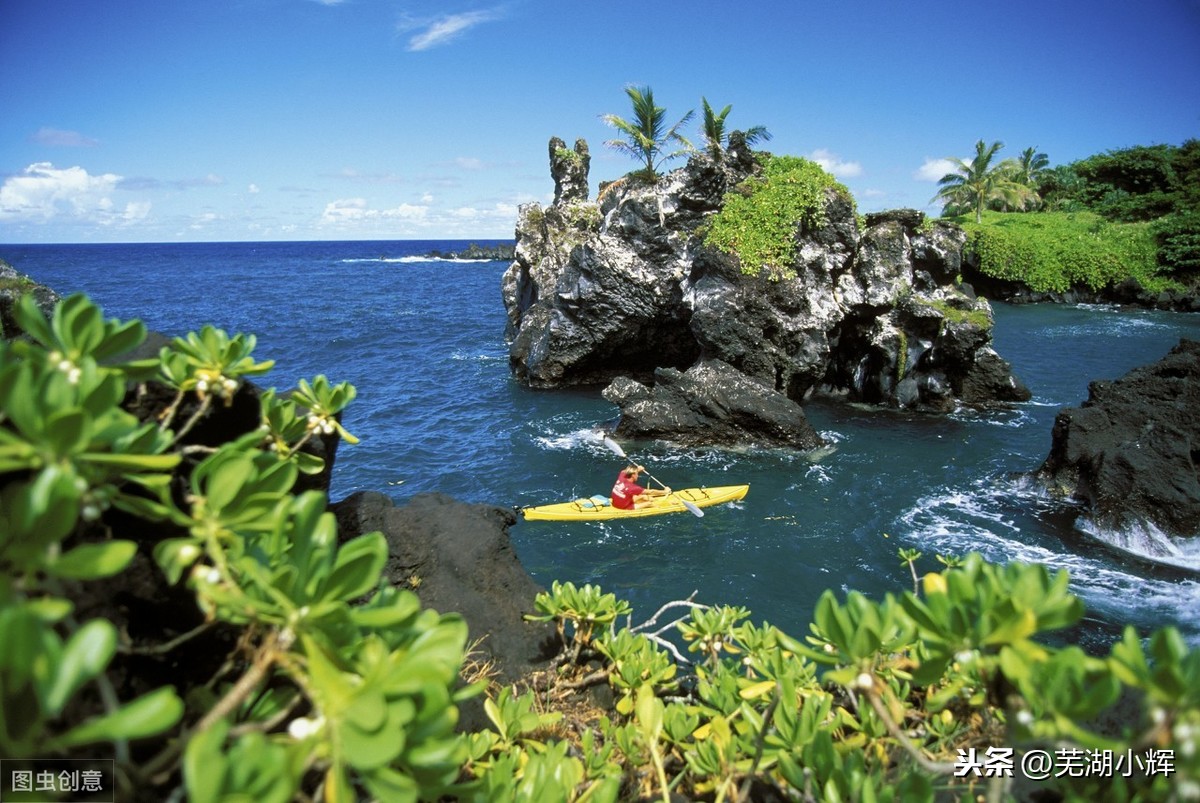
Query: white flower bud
{"type": "Point", "coordinates": [864, 682]}
{"type": "Point", "coordinates": [302, 728]}
{"type": "Point", "coordinates": [73, 376]}
{"type": "Point", "coordinates": [202, 386]}
{"type": "Point", "coordinates": [90, 513]}
{"type": "Point", "coordinates": [213, 576]}
{"type": "Point", "coordinates": [1025, 718]}
{"type": "Point", "coordinates": [189, 552]}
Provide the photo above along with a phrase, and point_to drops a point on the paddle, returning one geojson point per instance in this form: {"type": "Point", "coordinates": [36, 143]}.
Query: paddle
{"type": "Point", "coordinates": [619, 452]}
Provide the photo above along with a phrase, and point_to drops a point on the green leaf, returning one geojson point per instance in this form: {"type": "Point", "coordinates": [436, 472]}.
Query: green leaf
{"type": "Point", "coordinates": [204, 765]}
{"type": "Point", "coordinates": [357, 568]}
{"type": "Point", "coordinates": [21, 631]}
{"type": "Point", "coordinates": [30, 318]}
{"type": "Point", "coordinates": [369, 749]}
{"type": "Point", "coordinates": [93, 561]}
{"type": "Point", "coordinates": [85, 655]}
{"type": "Point", "coordinates": [133, 462]}
{"type": "Point", "coordinates": [120, 339]}
{"type": "Point", "coordinates": [227, 481]}
{"type": "Point", "coordinates": [49, 506]}
{"type": "Point", "coordinates": [67, 431]}
{"type": "Point", "coordinates": [148, 715]}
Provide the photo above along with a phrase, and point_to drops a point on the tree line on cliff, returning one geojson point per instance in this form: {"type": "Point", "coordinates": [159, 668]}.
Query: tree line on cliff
{"type": "Point", "coordinates": [1128, 213]}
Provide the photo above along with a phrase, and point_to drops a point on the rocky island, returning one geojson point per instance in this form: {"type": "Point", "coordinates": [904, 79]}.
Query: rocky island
{"type": "Point", "coordinates": [694, 346]}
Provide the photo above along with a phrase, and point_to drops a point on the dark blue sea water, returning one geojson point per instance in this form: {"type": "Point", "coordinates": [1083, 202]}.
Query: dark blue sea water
{"type": "Point", "coordinates": [438, 410]}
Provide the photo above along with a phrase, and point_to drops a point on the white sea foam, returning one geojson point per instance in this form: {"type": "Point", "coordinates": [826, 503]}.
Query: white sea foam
{"type": "Point", "coordinates": [570, 440]}
{"type": "Point", "coordinates": [410, 260]}
{"type": "Point", "coordinates": [472, 357]}
{"type": "Point", "coordinates": [1146, 541]}
{"type": "Point", "coordinates": [987, 518]}
{"type": "Point", "coordinates": [818, 473]}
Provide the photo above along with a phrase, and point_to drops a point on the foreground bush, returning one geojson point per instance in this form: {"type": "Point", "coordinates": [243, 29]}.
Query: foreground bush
{"type": "Point", "coordinates": [318, 696]}
{"type": "Point", "coordinates": [338, 688]}
{"type": "Point", "coordinates": [943, 691]}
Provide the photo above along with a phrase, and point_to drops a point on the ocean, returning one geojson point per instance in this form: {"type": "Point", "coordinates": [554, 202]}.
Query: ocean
{"type": "Point", "coordinates": [438, 411]}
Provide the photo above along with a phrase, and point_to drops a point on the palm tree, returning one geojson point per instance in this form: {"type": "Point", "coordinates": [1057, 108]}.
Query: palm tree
{"type": "Point", "coordinates": [1028, 171]}
{"type": "Point", "coordinates": [714, 130]}
{"type": "Point", "coordinates": [646, 135]}
{"type": "Point", "coordinates": [975, 183]}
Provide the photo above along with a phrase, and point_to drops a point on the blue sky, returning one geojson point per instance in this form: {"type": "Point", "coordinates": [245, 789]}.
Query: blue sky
{"type": "Point", "coordinates": [165, 120]}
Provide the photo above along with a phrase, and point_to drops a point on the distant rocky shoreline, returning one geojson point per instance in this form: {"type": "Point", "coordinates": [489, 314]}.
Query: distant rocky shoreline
{"type": "Point", "coordinates": [1128, 293]}
{"type": "Point", "coordinates": [501, 252]}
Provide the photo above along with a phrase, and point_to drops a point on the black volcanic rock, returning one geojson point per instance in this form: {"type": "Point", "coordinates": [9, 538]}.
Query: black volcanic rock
{"type": "Point", "coordinates": [13, 285]}
{"type": "Point", "coordinates": [1131, 452]}
{"type": "Point", "coordinates": [483, 253]}
{"type": "Point", "coordinates": [709, 403]}
{"type": "Point", "coordinates": [623, 286]}
{"type": "Point", "coordinates": [458, 557]}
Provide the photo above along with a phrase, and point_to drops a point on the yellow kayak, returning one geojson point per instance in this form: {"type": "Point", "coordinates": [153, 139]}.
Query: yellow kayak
{"type": "Point", "coordinates": [599, 508]}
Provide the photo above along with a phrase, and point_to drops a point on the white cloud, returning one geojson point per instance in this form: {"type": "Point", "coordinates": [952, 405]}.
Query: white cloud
{"type": "Point", "coordinates": [498, 212]}
{"type": "Point", "coordinates": [43, 191]}
{"type": "Point", "coordinates": [445, 29]}
{"type": "Point", "coordinates": [934, 169]}
{"type": "Point", "coordinates": [833, 164]}
{"type": "Point", "coordinates": [253, 189]}
{"type": "Point", "coordinates": [57, 138]}
{"type": "Point", "coordinates": [135, 211]}
{"type": "Point", "coordinates": [204, 219]}
{"type": "Point", "coordinates": [469, 163]}
{"type": "Point", "coordinates": [357, 210]}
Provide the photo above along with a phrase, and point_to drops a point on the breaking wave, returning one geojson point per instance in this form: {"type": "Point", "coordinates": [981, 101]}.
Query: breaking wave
{"type": "Point", "coordinates": [1006, 519]}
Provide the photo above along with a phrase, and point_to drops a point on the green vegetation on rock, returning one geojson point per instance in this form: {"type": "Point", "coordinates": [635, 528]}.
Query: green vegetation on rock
{"type": "Point", "coordinates": [1065, 242]}
{"type": "Point", "coordinates": [1055, 251]}
{"type": "Point", "coordinates": [759, 218]}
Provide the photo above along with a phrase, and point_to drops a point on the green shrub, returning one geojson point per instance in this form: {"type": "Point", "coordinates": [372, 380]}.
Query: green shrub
{"type": "Point", "coordinates": [374, 675]}
{"type": "Point", "coordinates": [1055, 251]}
{"type": "Point", "coordinates": [759, 219]}
{"type": "Point", "coordinates": [883, 700]}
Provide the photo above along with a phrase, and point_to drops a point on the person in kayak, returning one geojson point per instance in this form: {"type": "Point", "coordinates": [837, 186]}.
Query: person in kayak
{"type": "Point", "coordinates": [628, 495]}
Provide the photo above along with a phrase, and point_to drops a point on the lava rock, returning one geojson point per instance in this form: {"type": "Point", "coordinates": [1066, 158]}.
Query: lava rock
{"type": "Point", "coordinates": [13, 285]}
{"type": "Point", "coordinates": [709, 404]}
{"type": "Point", "coordinates": [1131, 452]}
{"type": "Point", "coordinates": [625, 286]}
{"type": "Point", "coordinates": [458, 557]}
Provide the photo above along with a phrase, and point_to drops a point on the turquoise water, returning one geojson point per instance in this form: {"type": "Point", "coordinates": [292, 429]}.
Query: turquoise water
{"type": "Point", "coordinates": [439, 411]}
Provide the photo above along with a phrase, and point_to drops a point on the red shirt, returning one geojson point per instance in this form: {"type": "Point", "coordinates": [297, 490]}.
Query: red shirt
{"type": "Point", "coordinates": [624, 491]}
